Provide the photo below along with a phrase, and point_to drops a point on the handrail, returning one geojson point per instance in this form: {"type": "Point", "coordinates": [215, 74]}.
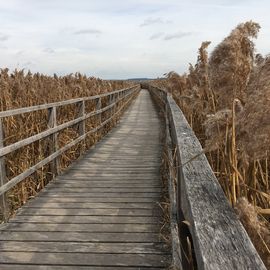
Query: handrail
{"type": "Point", "coordinates": [124, 95]}
{"type": "Point", "coordinates": [219, 239]}
{"type": "Point", "coordinates": [58, 104]}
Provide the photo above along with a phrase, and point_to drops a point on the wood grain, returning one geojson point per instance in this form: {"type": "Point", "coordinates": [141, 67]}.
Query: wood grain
{"type": "Point", "coordinates": [103, 213]}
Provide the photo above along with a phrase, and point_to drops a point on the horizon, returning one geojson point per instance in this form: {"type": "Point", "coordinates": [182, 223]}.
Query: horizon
{"type": "Point", "coordinates": [116, 39]}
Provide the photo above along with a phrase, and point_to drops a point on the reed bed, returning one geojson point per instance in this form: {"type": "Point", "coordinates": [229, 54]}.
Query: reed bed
{"type": "Point", "coordinates": [226, 99]}
{"type": "Point", "coordinates": [20, 89]}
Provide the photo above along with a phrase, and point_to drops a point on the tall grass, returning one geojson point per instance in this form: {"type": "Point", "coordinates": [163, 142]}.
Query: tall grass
{"type": "Point", "coordinates": [19, 89]}
{"type": "Point", "coordinates": [226, 99]}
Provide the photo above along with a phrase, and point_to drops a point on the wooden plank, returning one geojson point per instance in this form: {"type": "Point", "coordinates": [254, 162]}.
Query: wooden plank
{"type": "Point", "coordinates": [52, 193]}
{"type": "Point", "coordinates": [75, 173]}
{"type": "Point", "coordinates": [98, 228]}
{"type": "Point", "coordinates": [66, 177]}
{"type": "Point", "coordinates": [96, 199]}
{"type": "Point", "coordinates": [76, 259]}
{"type": "Point", "coordinates": [94, 205]}
{"type": "Point", "coordinates": [90, 211]}
{"type": "Point", "coordinates": [49, 216]}
{"type": "Point", "coordinates": [80, 237]}
{"type": "Point", "coordinates": [107, 174]}
{"type": "Point", "coordinates": [118, 164]}
{"type": "Point", "coordinates": [141, 170]}
{"type": "Point", "coordinates": [220, 240]}
{"type": "Point", "coordinates": [69, 247]}
{"type": "Point", "coordinates": [109, 181]}
{"type": "Point", "coordinates": [102, 190]}
{"type": "Point", "coordinates": [3, 178]}
{"type": "Point", "coordinates": [106, 184]}
{"type": "Point", "coordinates": [68, 267]}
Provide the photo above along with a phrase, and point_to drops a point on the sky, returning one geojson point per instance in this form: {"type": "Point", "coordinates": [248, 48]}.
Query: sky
{"type": "Point", "coordinates": [114, 39]}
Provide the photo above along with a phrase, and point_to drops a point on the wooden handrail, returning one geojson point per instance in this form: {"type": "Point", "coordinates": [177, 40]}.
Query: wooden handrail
{"type": "Point", "coordinates": [58, 104]}
{"type": "Point", "coordinates": [124, 95]}
{"type": "Point", "coordinates": [219, 239]}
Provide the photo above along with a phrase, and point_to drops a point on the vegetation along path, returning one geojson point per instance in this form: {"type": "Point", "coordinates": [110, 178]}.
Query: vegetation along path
{"type": "Point", "coordinates": [103, 212]}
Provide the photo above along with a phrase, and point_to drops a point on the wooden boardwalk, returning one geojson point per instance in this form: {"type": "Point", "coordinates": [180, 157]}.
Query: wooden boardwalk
{"type": "Point", "coordinates": [102, 213]}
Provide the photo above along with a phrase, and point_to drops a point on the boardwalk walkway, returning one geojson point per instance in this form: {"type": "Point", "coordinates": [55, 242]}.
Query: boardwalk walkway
{"type": "Point", "coordinates": [103, 212]}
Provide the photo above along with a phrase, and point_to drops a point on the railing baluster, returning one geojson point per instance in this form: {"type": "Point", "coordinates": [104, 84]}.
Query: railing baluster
{"type": "Point", "coordinates": [110, 102]}
{"type": "Point", "coordinates": [52, 122]}
{"type": "Point", "coordinates": [113, 108]}
{"type": "Point", "coordinates": [3, 177]}
{"type": "Point", "coordinates": [81, 113]}
{"type": "Point", "coordinates": [98, 107]}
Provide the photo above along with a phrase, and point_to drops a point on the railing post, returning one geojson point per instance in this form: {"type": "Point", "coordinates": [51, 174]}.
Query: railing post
{"type": "Point", "coordinates": [110, 102]}
{"type": "Point", "coordinates": [113, 101]}
{"type": "Point", "coordinates": [98, 107]}
{"type": "Point", "coordinates": [3, 177]}
{"type": "Point", "coordinates": [52, 122]}
{"type": "Point", "coordinates": [118, 103]}
{"type": "Point", "coordinates": [81, 113]}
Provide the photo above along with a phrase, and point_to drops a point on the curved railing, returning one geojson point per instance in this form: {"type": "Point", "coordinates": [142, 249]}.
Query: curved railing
{"type": "Point", "coordinates": [199, 203]}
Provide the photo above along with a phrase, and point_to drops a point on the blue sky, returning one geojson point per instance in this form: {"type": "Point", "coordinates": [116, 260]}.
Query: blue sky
{"type": "Point", "coordinates": [119, 39]}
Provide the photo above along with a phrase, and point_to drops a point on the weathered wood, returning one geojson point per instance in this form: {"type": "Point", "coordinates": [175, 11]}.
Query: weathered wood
{"type": "Point", "coordinates": [177, 258]}
{"type": "Point", "coordinates": [14, 181]}
{"type": "Point", "coordinates": [80, 237]}
{"type": "Point", "coordinates": [36, 204]}
{"type": "Point", "coordinates": [102, 190]}
{"type": "Point", "coordinates": [56, 247]}
{"type": "Point", "coordinates": [81, 113]}
{"type": "Point", "coordinates": [53, 144]}
{"type": "Point", "coordinates": [77, 259]}
{"type": "Point", "coordinates": [95, 214]}
{"type": "Point", "coordinates": [47, 160]}
{"type": "Point", "coordinates": [219, 239]}
{"type": "Point", "coordinates": [90, 212]}
{"type": "Point", "coordinates": [58, 104]}
{"type": "Point", "coordinates": [98, 107]}
{"type": "Point", "coordinates": [68, 267]}
{"type": "Point", "coordinates": [129, 194]}
{"type": "Point", "coordinates": [95, 199]}
{"type": "Point", "coordinates": [107, 184]}
{"type": "Point", "coordinates": [3, 177]}
{"type": "Point", "coordinates": [13, 147]}
{"type": "Point", "coordinates": [98, 228]}
{"type": "Point", "coordinates": [84, 217]}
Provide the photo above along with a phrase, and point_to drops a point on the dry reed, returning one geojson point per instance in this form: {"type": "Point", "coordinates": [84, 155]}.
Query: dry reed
{"type": "Point", "coordinates": [226, 100]}
{"type": "Point", "coordinates": [20, 89]}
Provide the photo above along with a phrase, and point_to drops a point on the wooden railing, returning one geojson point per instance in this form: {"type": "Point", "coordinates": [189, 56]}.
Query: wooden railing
{"type": "Point", "coordinates": [200, 207]}
{"type": "Point", "coordinates": [117, 102]}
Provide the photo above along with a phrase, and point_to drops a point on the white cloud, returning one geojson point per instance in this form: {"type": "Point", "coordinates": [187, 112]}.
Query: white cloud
{"type": "Point", "coordinates": [177, 35]}
{"type": "Point", "coordinates": [87, 32]}
{"type": "Point", "coordinates": [150, 21]}
{"type": "Point", "coordinates": [3, 37]}
{"type": "Point", "coordinates": [135, 37]}
{"type": "Point", "coordinates": [156, 35]}
{"type": "Point", "coordinates": [48, 50]}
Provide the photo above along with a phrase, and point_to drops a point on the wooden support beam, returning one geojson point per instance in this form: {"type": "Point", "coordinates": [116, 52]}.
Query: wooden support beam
{"type": "Point", "coordinates": [81, 113]}
{"type": "Point", "coordinates": [3, 177]}
{"type": "Point", "coordinates": [53, 144]}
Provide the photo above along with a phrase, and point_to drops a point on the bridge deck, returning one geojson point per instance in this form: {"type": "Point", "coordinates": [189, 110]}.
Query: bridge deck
{"type": "Point", "coordinates": [103, 213]}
